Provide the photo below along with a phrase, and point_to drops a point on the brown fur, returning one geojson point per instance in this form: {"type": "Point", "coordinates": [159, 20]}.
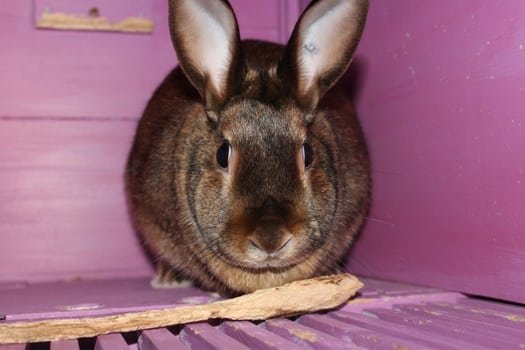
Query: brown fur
{"type": "Point", "coordinates": [202, 220]}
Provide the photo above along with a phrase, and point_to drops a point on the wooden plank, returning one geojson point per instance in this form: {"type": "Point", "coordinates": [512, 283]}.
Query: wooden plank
{"type": "Point", "coordinates": [474, 321]}
{"type": "Point", "coordinates": [491, 307]}
{"type": "Point", "coordinates": [203, 336]}
{"type": "Point", "coordinates": [111, 342]}
{"type": "Point", "coordinates": [441, 97]}
{"type": "Point", "coordinates": [62, 203]}
{"type": "Point", "coordinates": [132, 16]}
{"type": "Point", "coordinates": [474, 335]}
{"type": "Point", "coordinates": [159, 339]}
{"type": "Point", "coordinates": [440, 340]}
{"type": "Point", "coordinates": [513, 319]}
{"type": "Point", "coordinates": [67, 299]}
{"type": "Point", "coordinates": [65, 345]}
{"type": "Point", "coordinates": [14, 347]}
{"type": "Point", "coordinates": [306, 336]}
{"type": "Point", "coordinates": [100, 75]}
{"type": "Point", "coordinates": [361, 336]}
{"type": "Point", "coordinates": [256, 337]}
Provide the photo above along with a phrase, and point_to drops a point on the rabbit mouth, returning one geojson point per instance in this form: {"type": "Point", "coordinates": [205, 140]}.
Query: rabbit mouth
{"type": "Point", "coordinates": [269, 264]}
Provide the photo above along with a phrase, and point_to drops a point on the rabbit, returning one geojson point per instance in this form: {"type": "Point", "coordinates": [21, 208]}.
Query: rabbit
{"type": "Point", "coordinates": [249, 168]}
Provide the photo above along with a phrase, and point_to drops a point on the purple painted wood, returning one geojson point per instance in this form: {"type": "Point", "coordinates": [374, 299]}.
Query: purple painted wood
{"type": "Point", "coordinates": [111, 342]}
{"type": "Point", "coordinates": [65, 136]}
{"type": "Point", "coordinates": [474, 335]}
{"type": "Point", "coordinates": [13, 347]}
{"type": "Point", "coordinates": [497, 308]}
{"type": "Point", "coordinates": [510, 319]}
{"type": "Point", "coordinates": [65, 345]}
{"type": "Point", "coordinates": [256, 337]}
{"type": "Point", "coordinates": [360, 336]}
{"type": "Point", "coordinates": [101, 75]}
{"type": "Point", "coordinates": [440, 89]}
{"type": "Point", "coordinates": [62, 202]}
{"type": "Point", "coordinates": [440, 340]}
{"type": "Point", "coordinates": [468, 318]}
{"type": "Point", "coordinates": [288, 13]}
{"type": "Point", "coordinates": [159, 339]}
{"type": "Point", "coordinates": [418, 321]}
{"type": "Point", "coordinates": [203, 336]}
{"type": "Point", "coordinates": [361, 304]}
{"type": "Point", "coordinates": [93, 298]}
{"type": "Point", "coordinates": [379, 288]}
{"type": "Point", "coordinates": [305, 336]}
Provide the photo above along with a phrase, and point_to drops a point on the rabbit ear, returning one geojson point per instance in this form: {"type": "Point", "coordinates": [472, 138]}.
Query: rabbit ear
{"type": "Point", "coordinates": [205, 35]}
{"type": "Point", "coordinates": [321, 47]}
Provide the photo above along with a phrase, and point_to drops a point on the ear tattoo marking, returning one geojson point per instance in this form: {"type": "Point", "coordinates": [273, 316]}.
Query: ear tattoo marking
{"type": "Point", "coordinates": [311, 48]}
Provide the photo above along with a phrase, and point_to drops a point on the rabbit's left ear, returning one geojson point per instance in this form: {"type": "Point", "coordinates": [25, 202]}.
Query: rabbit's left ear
{"type": "Point", "coordinates": [205, 34]}
{"type": "Point", "coordinates": [321, 47]}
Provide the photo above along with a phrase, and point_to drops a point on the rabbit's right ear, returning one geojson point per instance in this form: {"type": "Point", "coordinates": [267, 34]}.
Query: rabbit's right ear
{"type": "Point", "coordinates": [321, 48]}
{"type": "Point", "coordinates": [205, 34]}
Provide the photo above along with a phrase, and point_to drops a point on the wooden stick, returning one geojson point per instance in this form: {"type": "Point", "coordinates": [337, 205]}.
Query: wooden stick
{"type": "Point", "coordinates": [293, 298]}
{"type": "Point", "coordinates": [66, 21]}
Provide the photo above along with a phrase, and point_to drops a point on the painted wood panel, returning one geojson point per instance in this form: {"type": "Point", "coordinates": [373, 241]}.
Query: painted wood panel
{"type": "Point", "coordinates": [69, 102]}
{"type": "Point", "coordinates": [62, 205]}
{"type": "Point", "coordinates": [441, 89]}
{"type": "Point", "coordinates": [50, 73]}
{"type": "Point", "coordinates": [111, 342]}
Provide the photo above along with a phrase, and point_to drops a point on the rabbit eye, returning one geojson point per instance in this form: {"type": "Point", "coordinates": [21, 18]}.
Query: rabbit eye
{"type": "Point", "coordinates": [308, 155]}
{"type": "Point", "coordinates": [223, 154]}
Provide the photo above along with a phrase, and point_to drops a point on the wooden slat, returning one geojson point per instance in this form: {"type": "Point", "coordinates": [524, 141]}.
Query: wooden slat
{"type": "Point", "coordinates": [360, 336]}
{"type": "Point", "coordinates": [477, 320]}
{"type": "Point", "coordinates": [111, 342]}
{"type": "Point", "coordinates": [62, 203]}
{"type": "Point", "coordinates": [256, 337]}
{"type": "Point", "coordinates": [203, 336]}
{"type": "Point", "coordinates": [491, 307]}
{"type": "Point", "coordinates": [476, 336]}
{"type": "Point", "coordinates": [159, 339]}
{"type": "Point", "coordinates": [306, 336]}
{"type": "Point", "coordinates": [65, 345]}
{"type": "Point", "coordinates": [440, 340]}
{"type": "Point", "coordinates": [13, 347]}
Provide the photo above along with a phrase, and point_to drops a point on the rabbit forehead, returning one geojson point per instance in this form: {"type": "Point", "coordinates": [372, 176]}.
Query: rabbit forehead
{"type": "Point", "coordinates": [250, 120]}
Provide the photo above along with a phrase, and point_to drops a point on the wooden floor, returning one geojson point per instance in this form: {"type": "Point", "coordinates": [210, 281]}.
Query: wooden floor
{"type": "Point", "coordinates": [385, 316]}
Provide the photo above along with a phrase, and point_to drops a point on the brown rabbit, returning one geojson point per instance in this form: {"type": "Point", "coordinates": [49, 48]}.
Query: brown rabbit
{"type": "Point", "coordinates": [248, 169]}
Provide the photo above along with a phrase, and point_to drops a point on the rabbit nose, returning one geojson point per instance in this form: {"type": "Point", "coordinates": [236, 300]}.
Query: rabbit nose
{"type": "Point", "coordinates": [269, 247]}
{"type": "Point", "coordinates": [269, 238]}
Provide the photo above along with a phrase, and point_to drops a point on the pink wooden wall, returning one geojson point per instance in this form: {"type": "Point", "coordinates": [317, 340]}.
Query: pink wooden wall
{"type": "Point", "coordinates": [69, 103]}
{"type": "Point", "coordinates": [442, 99]}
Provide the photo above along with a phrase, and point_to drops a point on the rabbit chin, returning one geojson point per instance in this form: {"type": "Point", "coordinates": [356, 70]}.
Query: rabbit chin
{"type": "Point", "coordinates": [247, 280]}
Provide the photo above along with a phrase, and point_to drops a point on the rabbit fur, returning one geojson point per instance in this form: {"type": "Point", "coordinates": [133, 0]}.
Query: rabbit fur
{"type": "Point", "coordinates": [249, 168]}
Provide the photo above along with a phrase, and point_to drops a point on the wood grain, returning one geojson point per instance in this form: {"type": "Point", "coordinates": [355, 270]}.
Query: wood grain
{"type": "Point", "coordinates": [82, 74]}
{"type": "Point", "coordinates": [293, 298]}
{"type": "Point", "coordinates": [441, 100]}
{"type": "Point", "coordinates": [65, 21]}
{"type": "Point", "coordinates": [62, 203]}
